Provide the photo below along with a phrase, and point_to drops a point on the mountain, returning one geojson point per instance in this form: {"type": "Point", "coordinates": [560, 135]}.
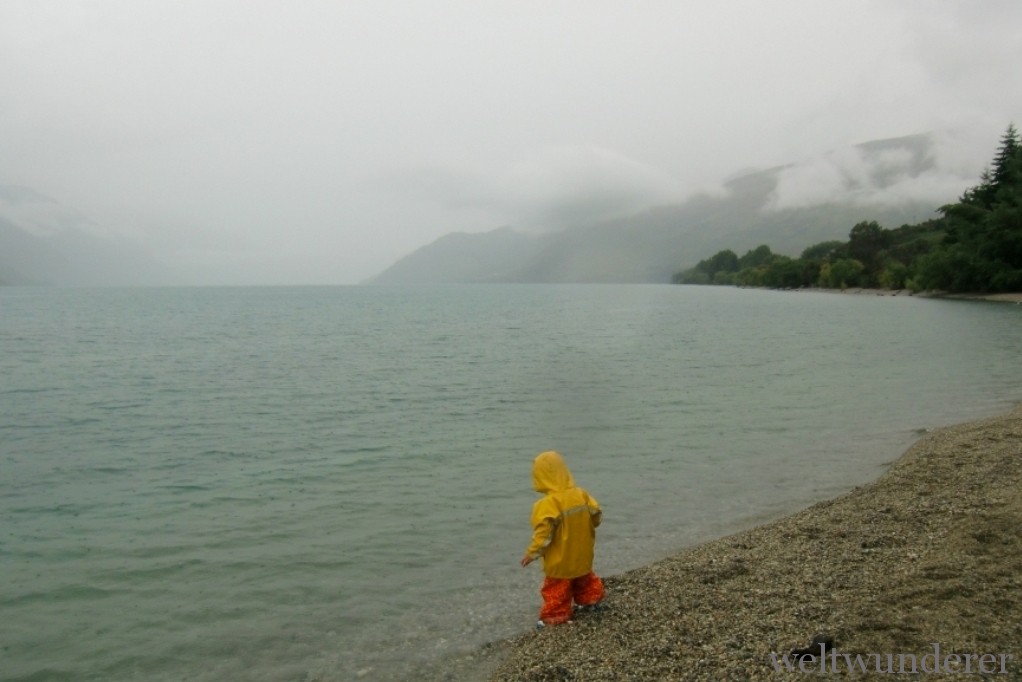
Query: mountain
{"type": "Point", "coordinates": [462, 257]}
{"type": "Point", "coordinates": [45, 243]}
{"type": "Point", "coordinates": [787, 207]}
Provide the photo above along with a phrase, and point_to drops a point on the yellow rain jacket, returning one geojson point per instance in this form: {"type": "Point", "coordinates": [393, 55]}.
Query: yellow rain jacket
{"type": "Point", "coordinates": [564, 520]}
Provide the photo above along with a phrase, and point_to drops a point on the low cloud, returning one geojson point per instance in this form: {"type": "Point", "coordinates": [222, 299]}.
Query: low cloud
{"type": "Point", "coordinates": [570, 186]}
{"type": "Point", "coordinates": [41, 216]}
{"type": "Point", "coordinates": [547, 189]}
{"type": "Point", "coordinates": [939, 171]}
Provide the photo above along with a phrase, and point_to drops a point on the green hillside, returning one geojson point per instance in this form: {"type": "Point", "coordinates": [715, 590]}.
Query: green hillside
{"type": "Point", "coordinates": [975, 245]}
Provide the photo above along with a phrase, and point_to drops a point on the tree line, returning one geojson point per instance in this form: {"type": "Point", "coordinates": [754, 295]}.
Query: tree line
{"type": "Point", "coordinates": [975, 245]}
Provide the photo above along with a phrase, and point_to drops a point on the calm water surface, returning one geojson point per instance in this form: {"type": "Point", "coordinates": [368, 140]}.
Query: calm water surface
{"type": "Point", "coordinates": [328, 483]}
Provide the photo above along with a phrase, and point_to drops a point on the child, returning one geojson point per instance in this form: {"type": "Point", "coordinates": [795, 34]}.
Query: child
{"type": "Point", "coordinates": [564, 525]}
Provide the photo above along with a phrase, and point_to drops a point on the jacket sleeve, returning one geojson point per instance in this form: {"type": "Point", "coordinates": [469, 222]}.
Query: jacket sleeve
{"type": "Point", "coordinates": [544, 523]}
{"type": "Point", "coordinates": [541, 537]}
{"type": "Point", "coordinates": [594, 510]}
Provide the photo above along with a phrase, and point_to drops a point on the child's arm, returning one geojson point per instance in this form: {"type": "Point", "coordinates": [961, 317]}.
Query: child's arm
{"type": "Point", "coordinates": [595, 513]}
{"type": "Point", "coordinates": [541, 537]}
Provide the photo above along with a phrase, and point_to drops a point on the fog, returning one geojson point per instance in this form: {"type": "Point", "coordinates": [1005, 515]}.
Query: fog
{"type": "Point", "coordinates": [318, 142]}
{"type": "Point", "coordinates": [850, 174]}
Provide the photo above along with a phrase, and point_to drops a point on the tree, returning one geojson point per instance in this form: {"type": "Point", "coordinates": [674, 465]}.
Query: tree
{"type": "Point", "coordinates": [1006, 162]}
{"type": "Point", "coordinates": [841, 274]}
{"type": "Point", "coordinates": [761, 255]}
{"type": "Point", "coordinates": [1005, 174]}
{"type": "Point", "coordinates": [724, 278]}
{"type": "Point", "coordinates": [894, 275]}
{"type": "Point", "coordinates": [823, 250]}
{"type": "Point", "coordinates": [714, 270]}
{"type": "Point", "coordinates": [866, 240]}
{"type": "Point", "coordinates": [866, 243]}
{"type": "Point", "coordinates": [726, 261]}
{"type": "Point", "coordinates": [783, 273]}
{"type": "Point", "coordinates": [982, 249]}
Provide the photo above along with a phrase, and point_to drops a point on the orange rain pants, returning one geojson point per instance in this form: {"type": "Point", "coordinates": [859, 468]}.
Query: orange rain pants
{"type": "Point", "coordinates": [558, 594]}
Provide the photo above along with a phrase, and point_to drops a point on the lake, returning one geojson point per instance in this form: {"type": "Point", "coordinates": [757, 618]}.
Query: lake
{"type": "Point", "coordinates": [270, 484]}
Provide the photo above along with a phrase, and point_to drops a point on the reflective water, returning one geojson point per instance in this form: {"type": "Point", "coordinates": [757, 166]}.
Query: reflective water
{"type": "Point", "coordinates": [328, 483]}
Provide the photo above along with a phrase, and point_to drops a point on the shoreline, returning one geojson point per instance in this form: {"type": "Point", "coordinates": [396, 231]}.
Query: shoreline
{"type": "Point", "coordinates": [930, 552]}
{"type": "Point", "coordinates": [1011, 297]}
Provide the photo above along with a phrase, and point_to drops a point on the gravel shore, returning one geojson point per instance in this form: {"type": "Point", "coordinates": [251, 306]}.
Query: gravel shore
{"type": "Point", "coordinates": [931, 553]}
{"type": "Point", "coordinates": [1012, 297]}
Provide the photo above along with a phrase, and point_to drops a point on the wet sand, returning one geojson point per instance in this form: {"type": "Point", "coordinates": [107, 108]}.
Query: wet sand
{"type": "Point", "coordinates": [930, 553]}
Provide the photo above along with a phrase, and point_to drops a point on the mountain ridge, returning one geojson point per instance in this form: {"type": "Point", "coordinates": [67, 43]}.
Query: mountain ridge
{"type": "Point", "coordinates": [651, 245]}
{"type": "Point", "coordinates": [48, 244]}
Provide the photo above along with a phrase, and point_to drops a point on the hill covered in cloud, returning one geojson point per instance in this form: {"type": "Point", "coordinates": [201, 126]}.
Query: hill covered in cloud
{"type": "Point", "coordinates": [43, 242]}
{"type": "Point", "coordinates": [894, 182]}
{"type": "Point", "coordinates": [611, 223]}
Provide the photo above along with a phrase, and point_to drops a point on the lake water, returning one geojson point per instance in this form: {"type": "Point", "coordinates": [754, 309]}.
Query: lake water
{"type": "Point", "coordinates": [270, 484]}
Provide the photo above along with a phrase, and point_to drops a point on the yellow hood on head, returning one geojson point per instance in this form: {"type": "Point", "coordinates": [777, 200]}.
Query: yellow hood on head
{"type": "Point", "coordinates": [550, 474]}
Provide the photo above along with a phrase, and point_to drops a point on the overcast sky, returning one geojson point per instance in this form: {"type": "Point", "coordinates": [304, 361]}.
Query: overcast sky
{"type": "Point", "coordinates": [317, 141]}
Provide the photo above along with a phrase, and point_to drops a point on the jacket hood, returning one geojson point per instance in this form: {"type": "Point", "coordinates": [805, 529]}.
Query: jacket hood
{"type": "Point", "coordinates": [550, 474]}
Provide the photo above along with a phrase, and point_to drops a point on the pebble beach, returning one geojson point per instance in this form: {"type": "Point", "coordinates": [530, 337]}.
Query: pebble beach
{"type": "Point", "coordinates": [923, 565]}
